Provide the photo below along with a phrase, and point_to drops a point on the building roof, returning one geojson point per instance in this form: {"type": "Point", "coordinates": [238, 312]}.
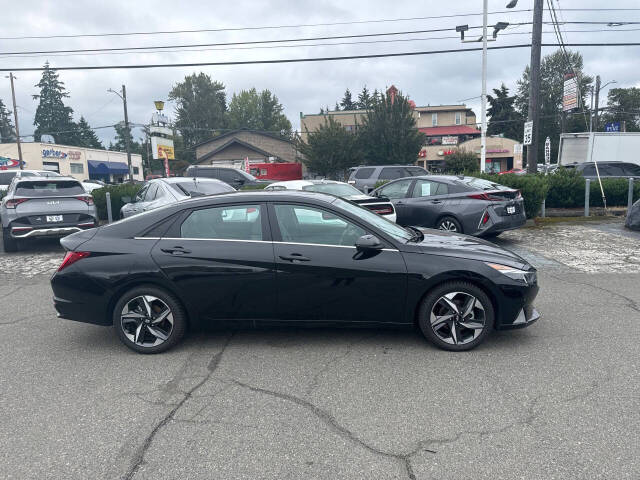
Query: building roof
{"type": "Point", "coordinates": [442, 108]}
{"type": "Point", "coordinates": [450, 130]}
{"type": "Point", "coordinates": [244, 130]}
{"type": "Point", "coordinates": [233, 141]}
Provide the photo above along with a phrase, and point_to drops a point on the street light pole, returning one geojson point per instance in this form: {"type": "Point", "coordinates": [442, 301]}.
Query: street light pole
{"type": "Point", "coordinates": [534, 86]}
{"type": "Point", "coordinates": [15, 118]}
{"type": "Point", "coordinates": [483, 115]}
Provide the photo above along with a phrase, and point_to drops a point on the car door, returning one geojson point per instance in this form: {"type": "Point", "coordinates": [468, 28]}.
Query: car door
{"type": "Point", "coordinates": [398, 192]}
{"type": "Point", "coordinates": [425, 203]}
{"type": "Point", "coordinates": [321, 276]}
{"type": "Point", "coordinates": [220, 259]}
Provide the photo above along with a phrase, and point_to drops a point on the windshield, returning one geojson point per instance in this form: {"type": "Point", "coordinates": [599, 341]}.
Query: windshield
{"type": "Point", "coordinates": [338, 189]}
{"type": "Point", "coordinates": [206, 188]}
{"type": "Point", "coordinates": [482, 184]}
{"type": "Point", "coordinates": [48, 188]}
{"type": "Point", "coordinates": [387, 226]}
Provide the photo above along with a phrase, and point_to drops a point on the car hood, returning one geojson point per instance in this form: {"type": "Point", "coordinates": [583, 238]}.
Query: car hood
{"type": "Point", "coordinates": [438, 242]}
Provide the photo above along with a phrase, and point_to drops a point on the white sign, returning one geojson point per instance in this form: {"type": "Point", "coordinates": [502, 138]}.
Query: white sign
{"type": "Point", "coordinates": [528, 133]}
{"type": "Point", "coordinates": [517, 148]}
{"type": "Point", "coordinates": [547, 151]}
{"type": "Point", "coordinates": [449, 140]}
{"type": "Point", "coordinates": [570, 93]}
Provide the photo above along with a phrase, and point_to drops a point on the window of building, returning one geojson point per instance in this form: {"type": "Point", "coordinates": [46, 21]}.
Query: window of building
{"type": "Point", "coordinates": [434, 119]}
{"type": "Point", "coordinates": [240, 222]}
{"type": "Point", "coordinates": [76, 167]}
{"type": "Point", "coordinates": [136, 170]}
{"type": "Point", "coordinates": [458, 118]}
{"type": "Point", "coordinates": [51, 166]}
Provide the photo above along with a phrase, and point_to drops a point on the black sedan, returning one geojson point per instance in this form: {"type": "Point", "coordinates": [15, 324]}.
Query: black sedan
{"type": "Point", "coordinates": [455, 203]}
{"type": "Point", "coordinates": [285, 257]}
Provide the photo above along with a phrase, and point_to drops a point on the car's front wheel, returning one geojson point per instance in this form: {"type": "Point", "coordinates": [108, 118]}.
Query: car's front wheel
{"type": "Point", "coordinates": [149, 320]}
{"type": "Point", "coordinates": [456, 316]}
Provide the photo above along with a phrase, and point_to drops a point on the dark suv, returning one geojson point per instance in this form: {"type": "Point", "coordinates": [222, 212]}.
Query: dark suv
{"type": "Point", "coordinates": [606, 169]}
{"type": "Point", "coordinates": [232, 176]}
{"type": "Point", "coordinates": [365, 178]}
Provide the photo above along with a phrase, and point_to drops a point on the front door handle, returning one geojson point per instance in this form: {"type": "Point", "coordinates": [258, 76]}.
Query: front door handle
{"type": "Point", "coordinates": [175, 250]}
{"type": "Point", "coordinates": [436, 201]}
{"type": "Point", "coordinates": [295, 256]}
{"type": "Point", "coordinates": [400, 202]}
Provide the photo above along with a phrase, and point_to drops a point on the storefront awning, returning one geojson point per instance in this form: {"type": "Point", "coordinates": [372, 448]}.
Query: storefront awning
{"type": "Point", "coordinates": [106, 168]}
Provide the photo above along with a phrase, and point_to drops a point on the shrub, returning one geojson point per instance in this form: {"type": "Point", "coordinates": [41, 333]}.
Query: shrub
{"type": "Point", "coordinates": [117, 192]}
{"type": "Point", "coordinates": [379, 183]}
{"type": "Point", "coordinates": [257, 186]}
{"type": "Point", "coordinates": [566, 189]}
{"type": "Point", "coordinates": [462, 161]}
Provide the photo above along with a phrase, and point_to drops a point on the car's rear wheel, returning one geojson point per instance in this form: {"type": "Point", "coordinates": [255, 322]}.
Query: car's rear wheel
{"type": "Point", "coordinates": [149, 320]}
{"type": "Point", "coordinates": [449, 224]}
{"type": "Point", "coordinates": [456, 316]}
{"type": "Point", "coordinates": [10, 243]}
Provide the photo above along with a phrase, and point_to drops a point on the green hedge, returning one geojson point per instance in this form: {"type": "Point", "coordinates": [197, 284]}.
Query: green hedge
{"type": "Point", "coordinates": [117, 192]}
{"type": "Point", "coordinates": [534, 188]}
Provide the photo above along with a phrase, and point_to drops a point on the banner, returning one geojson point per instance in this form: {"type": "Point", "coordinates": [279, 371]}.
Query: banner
{"type": "Point", "coordinates": [160, 145]}
{"type": "Point", "coordinates": [570, 92]}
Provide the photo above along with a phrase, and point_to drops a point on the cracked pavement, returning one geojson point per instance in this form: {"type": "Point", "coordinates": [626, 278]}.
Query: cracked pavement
{"type": "Point", "coordinates": [556, 400]}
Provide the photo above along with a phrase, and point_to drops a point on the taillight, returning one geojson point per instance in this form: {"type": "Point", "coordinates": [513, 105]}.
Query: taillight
{"type": "Point", "coordinates": [518, 194]}
{"type": "Point", "coordinates": [485, 196]}
{"type": "Point", "coordinates": [14, 202]}
{"type": "Point", "coordinates": [384, 210]}
{"type": "Point", "coordinates": [88, 199]}
{"type": "Point", "coordinates": [485, 217]}
{"type": "Point", "coordinates": [71, 258]}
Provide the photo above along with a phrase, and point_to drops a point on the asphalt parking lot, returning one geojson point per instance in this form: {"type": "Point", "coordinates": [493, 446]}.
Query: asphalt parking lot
{"type": "Point", "coordinates": [557, 400]}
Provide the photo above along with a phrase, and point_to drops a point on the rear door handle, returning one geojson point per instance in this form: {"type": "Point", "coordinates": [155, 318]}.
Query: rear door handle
{"type": "Point", "coordinates": [436, 201]}
{"type": "Point", "coordinates": [295, 256]}
{"type": "Point", "coordinates": [400, 202]}
{"type": "Point", "coordinates": [175, 250]}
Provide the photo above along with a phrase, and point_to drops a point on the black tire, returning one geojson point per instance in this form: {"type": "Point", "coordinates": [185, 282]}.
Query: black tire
{"type": "Point", "coordinates": [429, 302]}
{"type": "Point", "coordinates": [175, 333]}
{"type": "Point", "coordinates": [492, 235]}
{"type": "Point", "coordinates": [10, 243]}
{"type": "Point", "coordinates": [449, 224]}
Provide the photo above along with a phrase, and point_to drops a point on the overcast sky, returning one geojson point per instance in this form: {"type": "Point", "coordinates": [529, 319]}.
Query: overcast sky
{"type": "Point", "coordinates": [301, 87]}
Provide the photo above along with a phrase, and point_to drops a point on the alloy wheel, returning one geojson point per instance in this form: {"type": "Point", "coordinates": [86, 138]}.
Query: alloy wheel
{"type": "Point", "coordinates": [146, 321]}
{"type": "Point", "coordinates": [457, 318]}
{"type": "Point", "coordinates": [448, 225]}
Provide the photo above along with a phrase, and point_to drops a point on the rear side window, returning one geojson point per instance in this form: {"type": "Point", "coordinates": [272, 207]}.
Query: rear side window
{"type": "Point", "coordinates": [632, 170]}
{"type": "Point", "coordinates": [6, 177]}
{"type": "Point", "coordinates": [397, 189]}
{"type": "Point", "coordinates": [611, 170]}
{"type": "Point", "coordinates": [391, 173]}
{"type": "Point", "coordinates": [151, 193]}
{"type": "Point", "coordinates": [363, 173]}
{"type": "Point", "coordinates": [589, 171]}
{"type": "Point", "coordinates": [46, 188]}
{"type": "Point", "coordinates": [416, 171]}
{"type": "Point", "coordinates": [240, 222]}
{"type": "Point", "coordinates": [207, 188]}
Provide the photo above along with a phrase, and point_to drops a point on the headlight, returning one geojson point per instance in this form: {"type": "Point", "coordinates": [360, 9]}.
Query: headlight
{"type": "Point", "coordinates": [528, 277]}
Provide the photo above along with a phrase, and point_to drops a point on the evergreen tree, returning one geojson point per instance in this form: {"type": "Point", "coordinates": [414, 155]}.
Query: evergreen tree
{"type": "Point", "coordinates": [389, 134]}
{"type": "Point", "coordinates": [52, 116]}
{"type": "Point", "coordinates": [201, 106]}
{"type": "Point", "coordinates": [364, 99]}
{"type": "Point", "coordinates": [375, 97]}
{"type": "Point", "coordinates": [87, 136]}
{"type": "Point", "coordinates": [504, 119]}
{"type": "Point", "coordinates": [623, 106]}
{"type": "Point", "coordinates": [337, 108]}
{"type": "Point", "coordinates": [7, 130]}
{"type": "Point", "coordinates": [347, 101]}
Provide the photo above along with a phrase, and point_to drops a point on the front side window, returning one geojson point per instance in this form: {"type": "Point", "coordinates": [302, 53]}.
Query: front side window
{"type": "Point", "coordinates": [238, 222]}
{"type": "Point", "coordinates": [363, 173]}
{"type": "Point", "coordinates": [632, 170]}
{"type": "Point", "coordinates": [424, 188]}
{"type": "Point", "coordinates": [303, 224]}
{"type": "Point", "coordinates": [397, 189]}
{"type": "Point", "coordinates": [151, 193]}
{"type": "Point", "coordinates": [391, 173]}
{"type": "Point", "coordinates": [6, 177]}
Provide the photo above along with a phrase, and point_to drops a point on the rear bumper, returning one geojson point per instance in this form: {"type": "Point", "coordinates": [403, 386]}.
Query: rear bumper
{"type": "Point", "coordinates": [78, 298]}
{"type": "Point", "coordinates": [504, 223]}
{"type": "Point", "coordinates": [23, 231]}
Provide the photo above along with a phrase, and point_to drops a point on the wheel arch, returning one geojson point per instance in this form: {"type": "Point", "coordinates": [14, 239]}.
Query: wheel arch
{"type": "Point", "coordinates": [448, 214]}
{"type": "Point", "coordinates": [458, 276]}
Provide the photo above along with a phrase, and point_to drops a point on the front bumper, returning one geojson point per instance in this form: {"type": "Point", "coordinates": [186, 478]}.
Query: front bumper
{"type": "Point", "coordinates": [527, 315]}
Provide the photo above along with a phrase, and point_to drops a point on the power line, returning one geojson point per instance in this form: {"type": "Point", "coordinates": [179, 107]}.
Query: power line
{"type": "Point", "coordinates": [264, 27]}
{"type": "Point", "coordinates": [251, 42]}
{"type": "Point", "coordinates": [311, 59]}
{"type": "Point", "coordinates": [360, 42]}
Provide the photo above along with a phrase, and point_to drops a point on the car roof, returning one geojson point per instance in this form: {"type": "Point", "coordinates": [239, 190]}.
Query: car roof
{"type": "Point", "coordinates": [171, 180]}
{"type": "Point", "coordinates": [304, 183]}
{"type": "Point", "coordinates": [262, 196]}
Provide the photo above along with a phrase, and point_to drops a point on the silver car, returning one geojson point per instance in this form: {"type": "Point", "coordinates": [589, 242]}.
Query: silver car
{"type": "Point", "coordinates": [45, 207]}
{"type": "Point", "coordinates": [164, 191]}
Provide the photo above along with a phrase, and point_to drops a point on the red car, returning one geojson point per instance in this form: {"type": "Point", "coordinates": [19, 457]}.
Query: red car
{"type": "Point", "coordinates": [514, 171]}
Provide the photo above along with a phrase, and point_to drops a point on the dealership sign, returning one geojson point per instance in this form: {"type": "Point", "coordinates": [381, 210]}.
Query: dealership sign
{"type": "Point", "coordinates": [570, 93]}
{"type": "Point", "coordinates": [450, 140]}
{"type": "Point", "coordinates": [6, 162]}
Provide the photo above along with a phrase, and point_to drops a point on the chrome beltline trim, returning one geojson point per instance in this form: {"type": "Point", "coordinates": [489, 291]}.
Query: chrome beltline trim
{"type": "Point", "coordinates": [254, 241]}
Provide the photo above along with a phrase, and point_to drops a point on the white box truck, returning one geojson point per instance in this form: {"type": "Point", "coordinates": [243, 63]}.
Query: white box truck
{"type": "Point", "coordinates": [599, 147]}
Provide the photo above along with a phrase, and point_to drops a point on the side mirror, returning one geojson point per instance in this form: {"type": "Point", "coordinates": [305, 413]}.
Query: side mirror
{"type": "Point", "coordinates": [369, 242]}
{"type": "Point", "coordinates": [126, 200]}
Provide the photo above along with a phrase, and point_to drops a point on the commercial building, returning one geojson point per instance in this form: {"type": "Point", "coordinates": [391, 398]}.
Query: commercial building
{"type": "Point", "coordinates": [78, 162]}
{"type": "Point", "coordinates": [232, 148]}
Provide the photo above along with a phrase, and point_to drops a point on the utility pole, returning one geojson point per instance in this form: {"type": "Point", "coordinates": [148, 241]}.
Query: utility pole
{"type": "Point", "coordinates": [534, 86]}
{"type": "Point", "coordinates": [483, 116]}
{"type": "Point", "coordinates": [15, 117]}
{"type": "Point", "coordinates": [595, 115]}
{"type": "Point", "coordinates": [128, 131]}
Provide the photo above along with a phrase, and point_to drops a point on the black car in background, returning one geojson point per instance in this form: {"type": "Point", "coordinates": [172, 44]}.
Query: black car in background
{"type": "Point", "coordinates": [365, 178]}
{"type": "Point", "coordinates": [287, 257]}
{"type": "Point", "coordinates": [461, 204]}
{"type": "Point", "coordinates": [231, 176]}
{"type": "Point", "coordinates": [605, 169]}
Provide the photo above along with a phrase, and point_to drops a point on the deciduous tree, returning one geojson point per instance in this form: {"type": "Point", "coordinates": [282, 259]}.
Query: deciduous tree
{"type": "Point", "coordinates": [7, 130]}
{"type": "Point", "coordinates": [258, 111]}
